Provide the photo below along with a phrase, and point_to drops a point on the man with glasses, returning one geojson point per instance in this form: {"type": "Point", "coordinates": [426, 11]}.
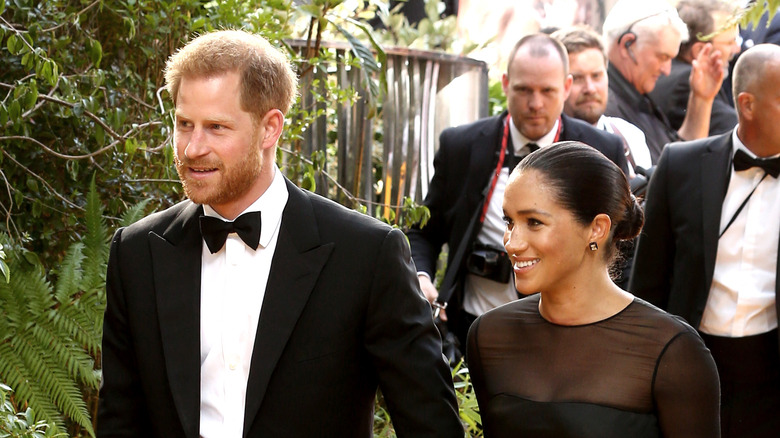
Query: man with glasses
{"type": "Point", "coordinates": [703, 18]}
{"type": "Point", "coordinates": [642, 39]}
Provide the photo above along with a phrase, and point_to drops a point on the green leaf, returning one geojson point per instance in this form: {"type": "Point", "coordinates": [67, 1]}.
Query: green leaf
{"type": "Point", "coordinates": [311, 10]}
{"type": "Point", "coordinates": [51, 72]}
{"type": "Point", "coordinates": [95, 51]}
{"type": "Point", "coordinates": [130, 146]}
{"type": "Point", "coordinates": [15, 111]}
{"type": "Point", "coordinates": [12, 43]}
{"type": "Point", "coordinates": [32, 185]}
{"type": "Point", "coordinates": [5, 271]}
{"type": "Point", "coordinates": [309, 183]}
{"type": "Point", "coordinates": [31, 97]}
{"type": "Point", "coordinates": [2, 6]}
{"type": "Point", "coordinates": [100, 135]}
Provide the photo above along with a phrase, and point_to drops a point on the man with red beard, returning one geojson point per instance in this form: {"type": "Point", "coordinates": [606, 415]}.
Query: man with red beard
{"type": "Point", "coordinates": [255, 308]}
{"type": "Point", "coordinates": [587, 99]}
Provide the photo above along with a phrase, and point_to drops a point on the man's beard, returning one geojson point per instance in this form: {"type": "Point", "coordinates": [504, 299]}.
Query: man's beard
{"type": "Point", "coordinates": [232, 184]}
{"type": "Point", "coordinates": [591, 113]}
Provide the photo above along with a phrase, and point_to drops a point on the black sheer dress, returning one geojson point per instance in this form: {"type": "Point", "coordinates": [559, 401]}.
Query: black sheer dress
{"type": "Point", "coordinates": [640, 373]}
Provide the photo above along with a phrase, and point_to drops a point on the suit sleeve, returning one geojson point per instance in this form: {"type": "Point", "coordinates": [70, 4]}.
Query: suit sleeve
{"type": "Point", "coordinates": [122, 412]}
{"type": "Point", "coordinates": [652, 270]}
{"type": "Point", "coordinates": [426, 242]}
{"type": "Point", "coordinates": [405, 347]}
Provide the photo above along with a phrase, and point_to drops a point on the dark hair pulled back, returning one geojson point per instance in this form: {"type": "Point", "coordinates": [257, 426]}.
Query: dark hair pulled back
{"type": "Point", "coordinates": [587, 183]}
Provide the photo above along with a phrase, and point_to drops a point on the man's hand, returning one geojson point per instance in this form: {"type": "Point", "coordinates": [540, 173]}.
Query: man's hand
{"type": "Point", "coordinates": [707, 73]}
{"type": "Point", "coordinates": [706, 79]}
{"type": "Point", "coordinates": [430, 292]}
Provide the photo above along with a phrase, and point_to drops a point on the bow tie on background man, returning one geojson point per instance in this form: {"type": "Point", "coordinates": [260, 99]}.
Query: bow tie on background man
{"type": "Point", "coordinates": [215, 230]}
{"type": "Point", "coordinates": [743, 161]}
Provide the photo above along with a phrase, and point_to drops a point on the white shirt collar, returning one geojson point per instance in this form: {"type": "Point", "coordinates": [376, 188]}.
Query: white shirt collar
{"type": "Point", "coordinates": [271, 203]}
{"type": "Point", "coordinates": [519, 140]}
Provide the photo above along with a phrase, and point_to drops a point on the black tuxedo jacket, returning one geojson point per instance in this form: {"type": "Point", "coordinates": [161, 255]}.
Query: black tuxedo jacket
{"type": "Point", "coordinates": [342, 314]}
{"type": "Point", "coordinates": [675, 257]}
{"type": "Point", "coordinates": [464, 163]}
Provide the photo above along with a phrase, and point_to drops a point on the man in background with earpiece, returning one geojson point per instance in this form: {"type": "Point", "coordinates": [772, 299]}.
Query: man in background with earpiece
{"type": "Point", "coordinates": [642, 38]}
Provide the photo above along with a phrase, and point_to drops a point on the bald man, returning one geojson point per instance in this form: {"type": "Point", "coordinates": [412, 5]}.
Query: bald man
{"type": "Point", "coordinates": [709, 248]}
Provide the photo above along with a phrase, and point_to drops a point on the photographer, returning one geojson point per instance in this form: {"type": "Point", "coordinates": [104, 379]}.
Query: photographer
{"type": "Point", "coordinates": [471, 169]}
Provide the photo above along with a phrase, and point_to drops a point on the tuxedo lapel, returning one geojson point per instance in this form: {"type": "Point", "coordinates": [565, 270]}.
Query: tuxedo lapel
{"type": "Point", "coordinates": [714, 174]}
{"type": "Point", "coordinates": [298, 259]}
{"type": "Point", "coordinates": [176, 261]}
{"type": "Point", "coordinates": [484, 157]}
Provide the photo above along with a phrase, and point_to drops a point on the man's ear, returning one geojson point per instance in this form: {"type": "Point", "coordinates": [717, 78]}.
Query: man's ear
{"type": "Point", "coordinates": [271, 126]}
{"type": "Point", "coordinates": [746, 105]}
{"type": "Point", "coordinates": [696, 48]}
{"type": "Point", "coordinates": [567, 86]}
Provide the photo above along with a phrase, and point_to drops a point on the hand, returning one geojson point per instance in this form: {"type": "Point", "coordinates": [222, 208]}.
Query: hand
{"type": "Point", "coordinates": [707, 73]}
{"type": "Point", "coordinates": [430, 292]}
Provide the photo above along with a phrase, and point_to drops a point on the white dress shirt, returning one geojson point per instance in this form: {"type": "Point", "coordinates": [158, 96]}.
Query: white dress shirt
{"type": "Point", "coordinates": [634, 137]}
{"type": "Point", "coordinates": [742, 295]}
{"type": "Point", "coordinates": [482, 294]}
{"type": "Point", "coordinates": [233, 282]}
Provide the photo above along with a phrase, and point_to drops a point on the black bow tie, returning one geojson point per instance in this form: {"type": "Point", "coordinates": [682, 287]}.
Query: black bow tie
{"type": "Point", "coordinates": [743, 161]}
{"type": "Point", "coordinates": [215, 231]}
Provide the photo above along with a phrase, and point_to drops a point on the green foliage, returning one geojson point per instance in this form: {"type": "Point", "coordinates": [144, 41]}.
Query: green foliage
{"type": "Point", "coordinates": [496, 97]}
{"type": "Point", "coordinates": [467, 407]}
{"type": "Point", "coordinates": [50, 333]}
{"type": "Point", "coordinates": [14, 424]}
{"type": "Point", "coordinates": [81, 95]}
{"type": "Point", "coordinates": [3, 267]}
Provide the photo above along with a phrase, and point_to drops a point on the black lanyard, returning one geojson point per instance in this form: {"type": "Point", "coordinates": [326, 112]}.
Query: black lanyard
{"type": "Point", "coordinates": [739, 210]}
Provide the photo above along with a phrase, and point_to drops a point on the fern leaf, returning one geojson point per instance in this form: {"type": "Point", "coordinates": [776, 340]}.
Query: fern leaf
{"type": "Point", "coordinates": [134, 213]}
{"type": "Point", "coordinates": [70, 274]}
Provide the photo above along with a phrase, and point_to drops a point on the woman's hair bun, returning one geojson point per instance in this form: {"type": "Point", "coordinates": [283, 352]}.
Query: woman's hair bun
{"type": "Point", "coordinates": [632, 222]}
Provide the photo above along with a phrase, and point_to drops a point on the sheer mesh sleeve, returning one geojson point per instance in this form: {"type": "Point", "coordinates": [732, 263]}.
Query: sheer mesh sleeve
{"type": "Point", "coordinates": [686, 389]}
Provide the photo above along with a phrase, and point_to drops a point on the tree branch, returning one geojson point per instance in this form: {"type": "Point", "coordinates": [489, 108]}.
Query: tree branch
{"type": "Point", "coordinates": [43, 181]}
{"type": "Point", "coordinates": [70, 19]}
{"type": "Point", "coordinates": [85, 156]}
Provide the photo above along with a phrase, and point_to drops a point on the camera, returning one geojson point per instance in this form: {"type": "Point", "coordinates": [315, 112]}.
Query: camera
{"type": "Point", "coordinates": [488, 262]}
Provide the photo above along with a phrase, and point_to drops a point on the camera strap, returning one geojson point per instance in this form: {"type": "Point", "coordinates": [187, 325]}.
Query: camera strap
{"type": "Point", "coordinates": [448, 284]}
{"type": "Point", "coordinates": [500, 164]}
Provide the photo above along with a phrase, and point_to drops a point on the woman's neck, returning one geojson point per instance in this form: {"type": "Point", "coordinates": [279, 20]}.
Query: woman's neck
{"type": "Point", "coordinates": [590, 300]}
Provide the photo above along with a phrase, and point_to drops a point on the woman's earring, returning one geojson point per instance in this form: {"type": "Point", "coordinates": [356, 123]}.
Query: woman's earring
{"type": "Point", "coordinates": [594, 246]}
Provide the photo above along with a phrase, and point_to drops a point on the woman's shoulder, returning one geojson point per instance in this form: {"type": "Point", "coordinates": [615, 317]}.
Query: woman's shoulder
{"type": "Point", "coordinates": [659, 319]}
{"type": "Point", "coordinates": [509, 317]}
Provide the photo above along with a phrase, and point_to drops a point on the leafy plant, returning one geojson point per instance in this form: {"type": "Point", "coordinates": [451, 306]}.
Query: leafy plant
{"type": "Point", "coordinates": [467, 407]}
{"type": "Point", "coordinates": [14, 424]}
{"type": "Point", "coordinates": [50, 333]}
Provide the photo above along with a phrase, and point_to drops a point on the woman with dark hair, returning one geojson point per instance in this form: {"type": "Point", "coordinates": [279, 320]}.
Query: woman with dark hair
{"type": "Point", "coordinates": [582, 357]}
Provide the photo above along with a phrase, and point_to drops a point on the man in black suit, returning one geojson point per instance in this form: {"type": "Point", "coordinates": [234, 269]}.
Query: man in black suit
{"type": "Point", "coordinates": [471, 169]}
{"type": "Point", "coordinates": [703, 18]}
{"type": "Point", "coordinates": [642, 38]}
{"type": "Point", "coordinates": [220, 324]}
{"type": "Point", "coordinates": [709, 248]}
